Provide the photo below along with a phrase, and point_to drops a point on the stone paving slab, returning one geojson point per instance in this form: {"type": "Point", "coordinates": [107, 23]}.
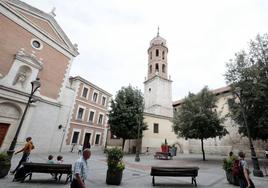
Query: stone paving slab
{"type": "Point", "coordinates": [136, 174]}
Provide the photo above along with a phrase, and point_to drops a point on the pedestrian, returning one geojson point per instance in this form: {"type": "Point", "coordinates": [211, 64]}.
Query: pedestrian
{"type": "Point", "coordinates": [244, 179]}
{"type": "Point", "coordinates": [81, 170]}
{"type": "Point", "coordinates": [80, 148]}
{"type": "Point", "coordinates": [28, 147]}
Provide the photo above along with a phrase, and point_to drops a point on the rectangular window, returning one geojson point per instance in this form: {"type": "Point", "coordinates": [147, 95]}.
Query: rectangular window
{"type": "Point", "coordinates": [156, 128]}
{"type": "Point", "coordinates": [80, 113]}
{"type": "Point", "coordinates": [100, 119]}
{"type": "Point", "coordinates": [103, 101]}
{"type": "Point", "coordinates": [95, 97]}
{"type": "Point", "coordinates": [97, 140]}
{"type": "Point", "coordinates": [75, 137]}
{"type": "Point", "coordinates": [91, 116]}
{"type": "Point", "coordinates": [85, 92]}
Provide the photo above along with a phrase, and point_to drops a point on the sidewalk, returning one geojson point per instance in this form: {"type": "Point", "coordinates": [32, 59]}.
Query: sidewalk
{"type": "Point", "coordinates": [136, 174]}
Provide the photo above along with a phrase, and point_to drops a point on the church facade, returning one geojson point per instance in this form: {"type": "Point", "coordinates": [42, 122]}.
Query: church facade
{"type": "Point", "coordinates": [33, 45]}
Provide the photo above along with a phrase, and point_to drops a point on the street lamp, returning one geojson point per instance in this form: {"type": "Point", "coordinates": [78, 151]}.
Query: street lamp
{"type": "Point", "coordinates": [35, 85]}
{"type": "Point", "coordinates": [137, 158]}
{"type": "Point", "coordinates": [256, 167]}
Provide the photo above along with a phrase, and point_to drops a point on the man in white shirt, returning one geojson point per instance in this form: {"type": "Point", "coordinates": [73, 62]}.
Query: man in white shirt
{"type": "Point", "coordinates": [81, 170]}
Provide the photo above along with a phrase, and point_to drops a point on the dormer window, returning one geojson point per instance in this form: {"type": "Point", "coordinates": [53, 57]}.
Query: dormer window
{"type": "Point", "coordinates": [157, 53]}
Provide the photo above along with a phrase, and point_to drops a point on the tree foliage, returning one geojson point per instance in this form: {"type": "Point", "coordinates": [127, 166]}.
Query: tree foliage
{"type": "Point", "coordinates": [126, 114]}
{"type": "Point", "coordinates": [198, 119]}
{"type": "Point", "coordinates": [247, 74]}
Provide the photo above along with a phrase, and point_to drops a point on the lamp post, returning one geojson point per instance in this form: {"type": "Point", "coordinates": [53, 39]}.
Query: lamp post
{"type": "Point", "coordinates": [256, 167]}
{"type": "Point", "coordinates": [35, 85]}
{"type": "Point", "coordinates": [137, 158]}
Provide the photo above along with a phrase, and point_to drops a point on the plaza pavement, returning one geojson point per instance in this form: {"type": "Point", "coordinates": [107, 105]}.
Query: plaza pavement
{"type": "Point", "coordinates": [137, 174]}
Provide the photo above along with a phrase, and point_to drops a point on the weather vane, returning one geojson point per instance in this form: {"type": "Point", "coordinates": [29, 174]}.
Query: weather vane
{"type": "Point", "coordinates": [158, 31]}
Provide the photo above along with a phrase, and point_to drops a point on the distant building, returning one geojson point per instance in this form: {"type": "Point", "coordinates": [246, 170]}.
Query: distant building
{"type": "Point", "coordinates": [232, 141]}
{"type": "Point", "coordinates": [32, 45]}
{"type": "Point", "coordinates": [88, 124]}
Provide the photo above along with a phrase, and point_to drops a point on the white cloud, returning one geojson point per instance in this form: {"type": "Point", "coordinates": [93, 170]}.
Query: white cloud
{"type": "Point", "coordinates": [113, 37]}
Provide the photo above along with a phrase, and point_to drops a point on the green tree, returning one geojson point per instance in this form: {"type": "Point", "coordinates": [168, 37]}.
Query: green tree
{"type": "Point", "coordinates": [126, 114]}
{"type": "Point", "coordinates": [247, 74]}
{"type": "Point", "coordinates": [198, 119]}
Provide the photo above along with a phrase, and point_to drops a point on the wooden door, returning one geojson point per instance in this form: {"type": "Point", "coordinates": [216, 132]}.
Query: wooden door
{"type": "Point", "coordinates": [3, 132]}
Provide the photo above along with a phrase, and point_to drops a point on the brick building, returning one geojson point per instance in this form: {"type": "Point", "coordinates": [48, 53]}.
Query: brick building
{"type": "Point", "coordinates": [88, 124]}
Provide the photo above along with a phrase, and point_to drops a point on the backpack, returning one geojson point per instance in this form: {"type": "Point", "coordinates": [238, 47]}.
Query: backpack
{"type": "Point", "coordinates": [237, 169]}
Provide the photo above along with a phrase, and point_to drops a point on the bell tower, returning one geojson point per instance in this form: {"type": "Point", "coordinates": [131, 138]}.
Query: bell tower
{"type": "Point", "coordinates": [157, 57]}
{"type": "Point", "coordinates": [157, 86]}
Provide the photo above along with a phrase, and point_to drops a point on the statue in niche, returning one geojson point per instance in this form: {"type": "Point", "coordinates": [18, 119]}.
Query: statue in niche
{"type": "Point", "coordinates": [20, 78]}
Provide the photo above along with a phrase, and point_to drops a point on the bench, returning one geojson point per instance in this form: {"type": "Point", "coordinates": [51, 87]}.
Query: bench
{"type": "Point", "coordinates": [175, 171]}
{"type": "Point", "coordinates": [57, 169]}
{"type": "Point", "coordinates": [162, 155]}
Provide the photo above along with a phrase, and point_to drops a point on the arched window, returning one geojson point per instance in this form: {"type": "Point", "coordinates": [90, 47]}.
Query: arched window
{"type": "Point", "coordinates": [163, 55]}
{"type": "Point", "coordinates": [157, 53]}
{"type": "Point", "coordinates": [164, 68]}
{"type": "Point", "coordinates": [150, 69]}
{"type": "Point", "coordinates": [156, 67]}
{"type": "Point", "coordinates": [151, 55]}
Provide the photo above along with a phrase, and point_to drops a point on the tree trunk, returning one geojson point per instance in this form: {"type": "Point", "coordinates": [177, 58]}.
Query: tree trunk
{"type": "Point", "coordinates": [123, 144]}
{"type": "Point", "coordinates": [203, 151]}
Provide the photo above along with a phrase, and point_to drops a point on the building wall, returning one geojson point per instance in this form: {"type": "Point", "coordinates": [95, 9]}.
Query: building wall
{"type": "Point", "coordinates": [158, 97]}
{"type": "Point", "coordinates": [232, 141]}
{"type": "Point", "coordinates": [13, 37]}
{"type": "Point", "coordinates": [155, 140]}
{"type": "Point", "coordinates": [51, 63]}
{"type": "Point", "coordinates": [83, 125]}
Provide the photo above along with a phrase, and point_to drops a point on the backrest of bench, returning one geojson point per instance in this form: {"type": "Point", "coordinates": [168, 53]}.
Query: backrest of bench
{"type": "Point", "coordinates": [174, 171]}
{"type": "Point", "coordinates": [48, 168]}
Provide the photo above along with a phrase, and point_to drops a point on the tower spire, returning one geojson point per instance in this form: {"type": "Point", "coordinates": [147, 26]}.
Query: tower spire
{"type": "Point", "coordinates": [158, 31]}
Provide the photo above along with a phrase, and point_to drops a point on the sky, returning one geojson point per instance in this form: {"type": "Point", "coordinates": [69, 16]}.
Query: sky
{"type": "Point", "coordinates": [113, 37]}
